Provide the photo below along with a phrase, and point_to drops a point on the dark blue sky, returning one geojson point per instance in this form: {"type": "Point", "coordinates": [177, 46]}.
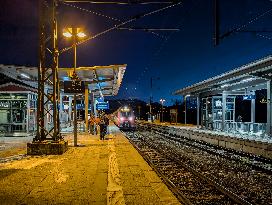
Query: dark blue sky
{"type": "Point", "coordinates": [186, 57]}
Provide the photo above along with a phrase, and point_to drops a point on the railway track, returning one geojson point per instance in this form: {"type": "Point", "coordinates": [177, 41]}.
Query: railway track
{"type": "Point", "coordinates": [12, 158]}
{"type": "Point", "coordinates": [187, 183]}
{"type": "Point", "coordinates": [210, 172]}
{"type": "Point", "coordinates": [255, 162]}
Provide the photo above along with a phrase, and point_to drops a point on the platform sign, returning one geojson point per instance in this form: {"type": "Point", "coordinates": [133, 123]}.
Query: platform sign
{"type": "Point", "coordinates": [74, 86]}
{"type": "Point", "coordinates": [100, 99]}
{"type": "Point", "coordinates": [102, 106]}
{"type": "Point", "coordinates": [82, 106]}
{"type": "Point", "coordinates": [173, 111]}
{"type": "Point", "coordinates": [249, 97]}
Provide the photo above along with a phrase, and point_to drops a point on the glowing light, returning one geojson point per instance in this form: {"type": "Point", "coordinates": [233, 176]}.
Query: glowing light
{"type": "Point", "coordinates": [130, 118]}
{"type": "Point", "coordinates": [162, 101]}
{"type": "Point", "coordinates": [81, 35]}
{"type": "Point", "coordinates": [122, 119]}
{"type": "Point", "coordinates": [247, 80]}
{"type": "Point", "coordinates": [67, 34]}
{"type": "Point", "coordinates": [224, 86]}
{"type": "Point", "coordinates": [25, 75]}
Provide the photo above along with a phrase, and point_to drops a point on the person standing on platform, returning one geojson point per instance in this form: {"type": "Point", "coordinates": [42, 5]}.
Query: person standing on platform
{"type": "Point", "coordinates": [92, 124]}
{"type": "Point", "coordinates": [107, 122]}
{"type": "Point", "coordinates": [102, 128]}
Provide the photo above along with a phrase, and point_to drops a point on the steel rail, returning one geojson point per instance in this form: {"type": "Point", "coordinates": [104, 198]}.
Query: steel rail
{"type": "Point", "coordinates": [181, 197]}
{"type": "Point", "coordinates": [220, 188]}
{"type": "Point", "coordinates": [191, 142]}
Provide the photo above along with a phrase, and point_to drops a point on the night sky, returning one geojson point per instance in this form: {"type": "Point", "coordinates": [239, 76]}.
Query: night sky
{"type": "Point", "coordinates": [173, 59]}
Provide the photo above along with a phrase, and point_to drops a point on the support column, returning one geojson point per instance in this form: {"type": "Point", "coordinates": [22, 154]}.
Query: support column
{"type": "Point", "coordinates": [70, 108]}
{"type": "Point", "coordinates": [61, 108]}
{"type": "Point", "coordinates": [28, 112]}
{"type": "Point", "coordinates": [94, 107]}
{"type": "Point", "coordinates": [185, 110]}
{"type": "Point", "coordinates": [201, 113]}
{"type": "Point", "coordinates": [86, 108]}
{"type": "Point", "coordinates": [61, 103]}
{"type": "Point", "coordinates": [269, 108]}
{"type": "Point", "coordinates": [75, 120]}
{"type": "Point", "coordinates": [197, 110]}
{"type": "Point", "coordinates": [224, 102]}
{"type": "Point", "coordinates": [253, 102]}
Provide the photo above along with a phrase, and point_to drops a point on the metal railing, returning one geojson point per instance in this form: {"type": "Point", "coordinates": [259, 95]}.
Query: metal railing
{"type": "Point", "coordinates": [242, 128]}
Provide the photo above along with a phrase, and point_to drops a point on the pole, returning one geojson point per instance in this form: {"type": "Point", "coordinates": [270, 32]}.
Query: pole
{"type": "Point", "coordinates": [197, 111]}
{"type": "Point", "coordinates": [150, 108]}
{"type": "Point", "coordinates": [86, 109]}
{"type": "Point", "coordinates": [162, 112]}
{"type": "Point", "coordinates": [216, 23]}
{"type": "Point", "coordinates": [75, 96]}
{"type": "Point", "coordinates": [185, 116]}
{"type": "Point", "coordinates": [269, 108]}
{"type": "Point", "coordinates": [139, 112]}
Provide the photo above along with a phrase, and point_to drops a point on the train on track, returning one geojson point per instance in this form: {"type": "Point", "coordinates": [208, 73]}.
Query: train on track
{"type": "Point", "coordinates": [124, 118]}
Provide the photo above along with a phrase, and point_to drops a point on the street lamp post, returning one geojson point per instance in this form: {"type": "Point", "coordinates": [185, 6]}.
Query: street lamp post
{"type": "Point", "coordinates": [162, 101]}
{"type": "Point", "coordinates": [74, 33]}
{"type": "Point", "coordinates": [185, 109]}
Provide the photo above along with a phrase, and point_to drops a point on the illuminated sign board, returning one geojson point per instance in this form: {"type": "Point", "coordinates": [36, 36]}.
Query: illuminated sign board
{"type": "Point", "coordinates": [249, 97]}
{"type": "Point", "coordinates": [100, 99]}
{"type": "Point", "coordinates": [74, 86]}
{"type": "Point", "coordinates": [82, 106]}
{"type": "Point", "coordinates": [102, 106]}
{"type": "Point", "coordinates": [173, 111]}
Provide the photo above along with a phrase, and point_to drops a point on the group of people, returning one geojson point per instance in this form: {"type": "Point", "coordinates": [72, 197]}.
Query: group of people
{"type": "Point", "coordinates": [102, 122]}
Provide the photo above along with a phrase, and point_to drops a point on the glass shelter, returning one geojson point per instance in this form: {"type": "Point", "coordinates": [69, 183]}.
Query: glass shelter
{"type": "Point", "coordinates": [217, 100]}
{"type": "Point", "coordinates": [212, 111]}
{"type": "Point", "coordinates": [18, 111]}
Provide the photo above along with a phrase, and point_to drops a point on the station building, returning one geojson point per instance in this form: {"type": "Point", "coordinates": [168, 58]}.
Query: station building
{"type": "Point", "coordinates": [18, 96]}
{"type": "Point", "coordinates": [216, 98]}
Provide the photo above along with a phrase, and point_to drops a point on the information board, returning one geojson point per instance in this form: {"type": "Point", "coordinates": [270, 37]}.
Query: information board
{"type": "Point", "coordinates": [102, 106]}
{"type": "Point", "coordinates": [249, 97]}
{"type": "Point", "coordinates": [74, 86]}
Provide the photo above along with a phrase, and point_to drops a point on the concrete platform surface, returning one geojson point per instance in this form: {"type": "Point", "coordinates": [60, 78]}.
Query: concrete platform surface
{"type": "Point", "coordinates": [96, 172]}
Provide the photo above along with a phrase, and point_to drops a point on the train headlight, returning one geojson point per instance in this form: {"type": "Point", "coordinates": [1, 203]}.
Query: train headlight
{"type": "Point", "coordinates": [130, 118]}
{"type": "Point", "coordinates": [122, 119]}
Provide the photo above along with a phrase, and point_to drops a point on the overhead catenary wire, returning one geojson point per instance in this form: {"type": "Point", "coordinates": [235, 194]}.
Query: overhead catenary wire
{"type": "Point", "coordinates": [239, 28]}
{"type": "Point", "coordinates": [109, 17]}
{"type": "Point", "coordinates": [263, 36]}
{"type": "Point", "coordinates": [121, 24]}
{"type": "Point", "coordinates": [118, 2]}
{"type": "Point", "coordinates": [150, 29]}
{"type": "Point", "coordinates": [92, 12]}
{"type": "Point", "coordinates": [155, 54]}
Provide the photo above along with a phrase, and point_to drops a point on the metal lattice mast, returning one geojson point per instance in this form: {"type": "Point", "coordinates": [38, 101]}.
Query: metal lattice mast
{"type": "Point", "coordinates": [48, 88]}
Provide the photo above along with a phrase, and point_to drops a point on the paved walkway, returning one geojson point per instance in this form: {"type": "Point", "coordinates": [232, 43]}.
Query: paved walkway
{"type": "Point", "coordinates": [97, 172]}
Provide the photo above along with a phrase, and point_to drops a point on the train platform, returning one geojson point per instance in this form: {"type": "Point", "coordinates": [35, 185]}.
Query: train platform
{"type": "Point", "coordinates": [247, 143]}
{"type": "Point", "coordinates": [96, 172]}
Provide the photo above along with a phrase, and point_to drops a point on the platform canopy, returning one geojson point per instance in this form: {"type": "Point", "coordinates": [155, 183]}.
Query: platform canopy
{"type": "Point", "coordinates": [101, 80]}
{"type": "Point", "coordinates": [249, 77]}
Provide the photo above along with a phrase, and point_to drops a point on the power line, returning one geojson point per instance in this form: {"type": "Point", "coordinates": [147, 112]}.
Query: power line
{"type": "Point", "coordinates": [263, 36]}
{"type": "Point", "coordinates": [121, 24]}
{"type": "Point", "coordinates": [93, 12]}
{"type": "Point", "coordinates": [149, 29]}
{"type": "Point", "coordinates": [119, 2]}
{"type": "Point", "coordinates": [239, 29]}
{"type": "Point", "coordinates": [109, 17]}
{"type": "Point", "coordinates": [143, 73]}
